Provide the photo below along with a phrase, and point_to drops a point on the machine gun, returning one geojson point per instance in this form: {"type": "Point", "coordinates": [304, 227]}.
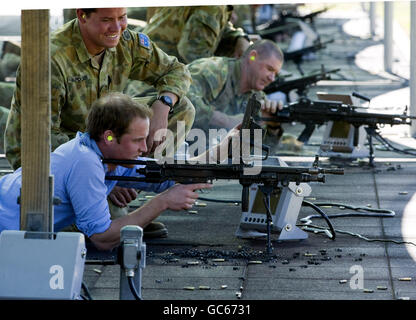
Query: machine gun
{"type": "Point", "coordinates": [297, 55]}
{"type": "Point", "coordinates": [269, 177]}
{"type": "Point", "coordinates": [310, 17]}
{"type": "Point", "coordinates": [313, 113]}
{"type": "Point", "coordinates": [300, 84]}
{"type": "Point", "coordinates": [284, 21]}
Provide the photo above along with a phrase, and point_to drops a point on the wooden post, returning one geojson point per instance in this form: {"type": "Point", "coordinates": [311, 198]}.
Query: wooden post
{"type": "Point", "coordinates": [35, 119]}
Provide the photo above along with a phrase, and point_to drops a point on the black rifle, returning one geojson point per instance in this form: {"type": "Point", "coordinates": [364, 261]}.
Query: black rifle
{"type": "Point", "coordinates": [306, 18]}
{"type": "Point", "coordinates": [297, 55]}
{"type": "Point", "coordinates": [284, 21]}
{"type": "Point", "coordinates": [270, 177]}
{"type": "Point", "coordinates": [312, 113]}
{"type": "Point", "coordinates": [300, 84]}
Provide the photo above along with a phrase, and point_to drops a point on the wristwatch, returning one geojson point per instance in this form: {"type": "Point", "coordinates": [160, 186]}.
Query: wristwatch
{"type": "Point", "coordinates": [166, 100]}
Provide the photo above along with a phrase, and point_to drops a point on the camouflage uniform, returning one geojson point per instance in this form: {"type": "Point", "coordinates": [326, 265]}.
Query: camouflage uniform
{"type": "Point", "coordinates": [77, 81]}
{"type": "Point", "coordinates": [193, 32]}
{"type": "Point", "coordinates": [8, 65]}
{"type": "Point", "coordinates": [216, 86]}
{"type": "Point", "coordinates": [6, 93]}
{"type": "Point", "coordinates": [3, 118]}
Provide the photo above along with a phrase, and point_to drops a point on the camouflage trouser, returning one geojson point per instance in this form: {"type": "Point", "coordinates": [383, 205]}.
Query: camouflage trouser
{"type": "Point", "coordinates": [6, 93]}
{"type": "Point", "coordinates": [3, 119]}
{"type": "Point", "coordinates": [8, 65]}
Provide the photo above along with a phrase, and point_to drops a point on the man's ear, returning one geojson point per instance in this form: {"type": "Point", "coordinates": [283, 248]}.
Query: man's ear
{"type": "Point", "coordinates": [81, 15]}
{"type": "Point", "coordinates": [253, 55]}
{"type": "Point", "coordinates": [108, 136]}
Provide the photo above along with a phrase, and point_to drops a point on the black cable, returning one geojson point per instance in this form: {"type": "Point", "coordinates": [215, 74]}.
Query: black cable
{"type": "Point", "coordinates": [380, 213]}
{"type": "Point", "coordinates": [321, 214]}
{"type": "Point", "coordinates": [266, 201]}
{"type": "Point", "coordinates": [377, 213]}
{"type": "Point", "coordinates": [363, 237]}
{"type": "Point", "coordinates": [307, 203]}
{"type": "Point", "coordinates": [218, 200]}
{"type": "Point", "coordinates": [388, 145]}
{"type": "Point", "coordinates": [133, 288]}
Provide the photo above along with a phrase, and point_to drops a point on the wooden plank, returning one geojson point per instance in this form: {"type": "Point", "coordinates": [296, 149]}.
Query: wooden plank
{"type": "Point", "coordinates": [35, 119]}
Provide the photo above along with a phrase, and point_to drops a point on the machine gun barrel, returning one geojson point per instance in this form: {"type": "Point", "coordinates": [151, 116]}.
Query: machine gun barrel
{"type": "Point", "coordinates": [296, 55]}
{"type": "Point", "coordinates": [320, 112]}
{"type": "Point", "coordinates": [300, 83]}
{"type": "Point", "coordinates": [187, 173]}
{"type": "Point", "coordinates": [311, 15]}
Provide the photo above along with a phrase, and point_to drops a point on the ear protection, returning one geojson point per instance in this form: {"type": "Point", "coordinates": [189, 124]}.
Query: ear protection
{"type": "Point", "coordinates": [110, 138]}
{"type": "Point", "coordinates": [83, 16]}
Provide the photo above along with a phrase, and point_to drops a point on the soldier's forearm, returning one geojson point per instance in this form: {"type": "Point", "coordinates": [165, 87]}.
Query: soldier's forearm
{"type": "Point", "coordinates": [222, 120]}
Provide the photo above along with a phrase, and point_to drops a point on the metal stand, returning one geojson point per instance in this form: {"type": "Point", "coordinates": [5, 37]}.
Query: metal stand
{"type": "Point", "coordinates": [370, 133]}
{"type": "Point", "coordinates": [267, 191]}
{"type": "Point", "coordinates": [278, 212]}
{"type": "Point", "coordinates": [342, 140]}
{"type": "Point", "coordinates": [132, 259]}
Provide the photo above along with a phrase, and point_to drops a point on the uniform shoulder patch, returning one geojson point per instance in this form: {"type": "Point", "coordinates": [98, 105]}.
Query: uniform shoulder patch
{"type": "Point", "coordinates": [144, 40]}
{"type": "Point", "coordinates": [126, 35]}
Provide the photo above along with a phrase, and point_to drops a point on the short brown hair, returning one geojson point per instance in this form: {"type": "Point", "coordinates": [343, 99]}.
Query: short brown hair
{"type": "Point", "coordinates": [88, 11]}
{"type": "Point", "coordinates": [115, 111]}
{"type": "Point", "coordinates": [265, 48]}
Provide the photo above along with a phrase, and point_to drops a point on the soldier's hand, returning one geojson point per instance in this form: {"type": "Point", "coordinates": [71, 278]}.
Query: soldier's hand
{"type": "Point", "coordinates": [182, 196]}
{"type": "Point", "coordinates": [158, 126]}
{"type": "Point", "coordinates": [270, 107]}
{"type": "Point", "coordinates": [223, 120]}
{"type": "Point", "coordinates": [121, 197]}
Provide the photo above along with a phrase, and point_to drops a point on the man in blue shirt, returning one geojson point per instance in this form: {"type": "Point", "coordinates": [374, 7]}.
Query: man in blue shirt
{"type": "Point", "coordinates": [117, 128]}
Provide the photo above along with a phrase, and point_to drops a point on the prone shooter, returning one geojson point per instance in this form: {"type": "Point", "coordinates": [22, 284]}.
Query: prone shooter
{"type": "Point", "coordinates": [269, 177]}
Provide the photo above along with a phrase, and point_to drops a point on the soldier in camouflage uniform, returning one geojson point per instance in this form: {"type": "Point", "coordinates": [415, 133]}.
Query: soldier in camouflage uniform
{"type": "Point", "coordinates": [6, 94]}
{"type": "Point", "coordinates": [92, 56]}
{"type": "Point", "coordinates": [195, 32]}
{"type": "Point", "coordinates": [77, 80]}
{"type": "Point", "coordinates": [3, 119]}
{"type": "Point", "coordinates": [8, 66]}
{"type": "Point", "coordinates": [221, 87]}
{"type": "Point", "coordinates": [190, 33]}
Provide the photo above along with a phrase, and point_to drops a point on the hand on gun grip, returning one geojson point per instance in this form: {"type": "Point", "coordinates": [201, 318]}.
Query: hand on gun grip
{"type": "Point", "coordinates": [121, 197]}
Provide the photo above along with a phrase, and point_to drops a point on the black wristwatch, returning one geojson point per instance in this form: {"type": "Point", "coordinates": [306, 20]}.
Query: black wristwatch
{"type": "Point", "coordinates": [166, 100]}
